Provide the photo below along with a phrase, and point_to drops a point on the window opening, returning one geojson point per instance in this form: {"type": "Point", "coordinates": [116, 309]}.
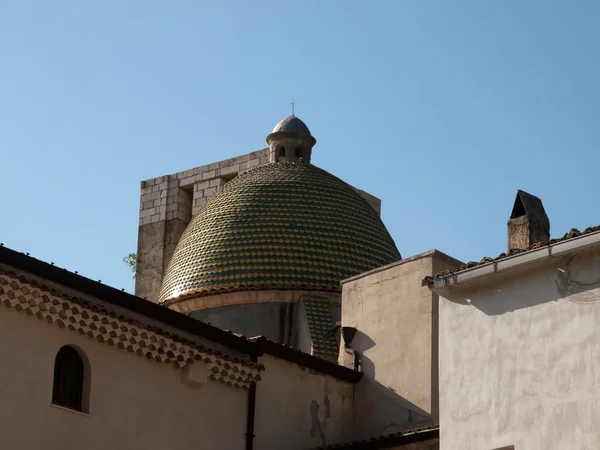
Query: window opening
{"type": "Point", "coordinates": [69, 374]}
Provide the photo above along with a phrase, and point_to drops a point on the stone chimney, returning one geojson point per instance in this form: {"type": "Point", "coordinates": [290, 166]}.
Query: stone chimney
{"type": "Point", "coordinates": [528, 222]}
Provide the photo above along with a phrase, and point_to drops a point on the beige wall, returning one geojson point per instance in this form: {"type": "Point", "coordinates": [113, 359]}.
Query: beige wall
{"type": "Point", "coordinates": [396, 322]}
{"type": "Point", "coordinates": [134, 402]}
{"type": "Point", "coordinates": [520, 359]}
{"type": "Point", "coordinates": [297, 408]}
{"type": "Point", "coordinates": [140, 403]}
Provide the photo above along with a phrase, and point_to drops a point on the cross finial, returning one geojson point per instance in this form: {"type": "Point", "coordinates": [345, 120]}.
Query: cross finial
{"type": "Point", "coordinates": [293, 103]}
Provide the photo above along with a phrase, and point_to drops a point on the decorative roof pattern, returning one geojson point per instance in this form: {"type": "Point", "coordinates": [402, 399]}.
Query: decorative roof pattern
{"type": "Point", "coordinates": [291, 124]}
{"type": "Point", "coordinates": [320, 325]}
{"type": "Point", "coordinates": [95, 322]}
{"type": "Point", "coordinates": [16, 265]}
{"type": "Point", "coordinates": [471, 264]}
{"type": "Point", "coordinates": [286, 225]}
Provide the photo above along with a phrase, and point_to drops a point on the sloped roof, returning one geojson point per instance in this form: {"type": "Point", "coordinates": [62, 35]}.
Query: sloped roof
{"type": "Point", "coordinates": [486, 260]}
{"type": "Point", "coordinates": [400, 439]}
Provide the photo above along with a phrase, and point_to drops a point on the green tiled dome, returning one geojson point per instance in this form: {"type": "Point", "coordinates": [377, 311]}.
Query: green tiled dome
{"type": "Point", "coordinates": [286, 225]}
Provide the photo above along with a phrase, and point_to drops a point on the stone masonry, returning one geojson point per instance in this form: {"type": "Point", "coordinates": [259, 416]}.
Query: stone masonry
{"type": "Point", "coordinates": [167, 204]}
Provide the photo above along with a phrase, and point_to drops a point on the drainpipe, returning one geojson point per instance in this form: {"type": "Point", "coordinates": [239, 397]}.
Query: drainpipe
{"type": "Point", "coordinates": [251, 412]}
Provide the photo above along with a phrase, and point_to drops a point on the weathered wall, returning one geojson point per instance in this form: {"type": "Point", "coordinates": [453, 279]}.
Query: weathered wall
{"type": "Point", "coordinates": [396, 322]}
{"type": "Point", "coordinates": [134, 402]}
{"type": "Point", "coordinates": [272, 320]}
{"type": "Point", "coordinates": [307, 410]}
{"type": "Point", "coordinates": [519, 359]}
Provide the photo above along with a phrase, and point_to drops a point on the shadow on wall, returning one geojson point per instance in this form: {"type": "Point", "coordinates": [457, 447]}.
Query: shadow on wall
{"type": "Point", "coordinates": [379, 409]}
{"type": "Point", "coordinates": [318, 425]}
{"type": "Point", "coordinates": [575, 279]}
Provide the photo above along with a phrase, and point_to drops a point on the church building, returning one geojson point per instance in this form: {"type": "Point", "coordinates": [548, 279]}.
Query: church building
{"type": "Point", "coordinates": [258, 244]}
{"type": "Point", "coordinates": [273, 310]}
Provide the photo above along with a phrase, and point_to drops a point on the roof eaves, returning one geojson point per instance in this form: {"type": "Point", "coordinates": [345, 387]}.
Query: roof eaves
{"type": "Point", "coordinates": [571, 241]}
{"type": "Point", "coordinates": [304, 359]}
{"type": "Point", "coordinates": [125, 300]}
{"type": "Point", "coordinates": [387, 441]}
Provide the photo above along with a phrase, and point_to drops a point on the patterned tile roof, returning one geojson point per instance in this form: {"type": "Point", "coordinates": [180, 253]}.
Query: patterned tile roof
{"type": "Point", "coordinates": [320, 325]}
{"type": "Point", "coordinates": [570, 235]}
{"type": "Point", "coordinates": [23, 268]}
{"type": "Point", "coordinates": [286, 225]}
{"type": "Point", "coordinates": [71, 312]}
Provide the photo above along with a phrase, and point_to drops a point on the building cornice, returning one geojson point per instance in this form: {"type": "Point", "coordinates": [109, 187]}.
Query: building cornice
{"type": "Point", "coordinates": [17, 264]}
{"type": "Point", "coordinates": [125, 300]}
{"type": "Point", "coordinates": [78, 315]}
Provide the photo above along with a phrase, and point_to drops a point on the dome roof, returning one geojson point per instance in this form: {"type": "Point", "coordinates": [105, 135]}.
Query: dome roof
{"type": "Point", "coordinates": [286, 225]}
{"type": "Point", "coordinates": [291, 124]}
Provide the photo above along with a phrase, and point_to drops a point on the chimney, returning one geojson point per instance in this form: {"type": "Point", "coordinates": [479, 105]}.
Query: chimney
{"type": "Point", "coordinates": [528, 222]}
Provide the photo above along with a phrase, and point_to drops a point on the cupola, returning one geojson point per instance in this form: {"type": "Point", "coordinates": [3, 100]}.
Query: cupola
{"type": "Point", "coordinates": [290, 140]}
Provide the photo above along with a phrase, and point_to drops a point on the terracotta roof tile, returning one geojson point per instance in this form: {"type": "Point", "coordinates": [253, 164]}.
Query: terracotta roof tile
{"type": "Point", "coordinates": [396, 439]}
{"type": "Point", "coordinates": [486, 260]}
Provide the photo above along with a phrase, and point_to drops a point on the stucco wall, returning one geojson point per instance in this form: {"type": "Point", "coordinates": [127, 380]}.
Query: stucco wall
{"type": "Point", "coordinates": [134, 402]}
{"type": "Point", "coordinates": [520, 359]}
{"type": "Point", "coordinates": [395, 317]}
{"type": "Point", "coordinates": [297, 408]}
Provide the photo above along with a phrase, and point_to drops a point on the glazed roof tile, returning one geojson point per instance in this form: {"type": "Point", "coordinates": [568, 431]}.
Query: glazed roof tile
{"type": "Point", "coordinates": [320, 325]}
{"type": "Point", "coordinates": [286, 225]}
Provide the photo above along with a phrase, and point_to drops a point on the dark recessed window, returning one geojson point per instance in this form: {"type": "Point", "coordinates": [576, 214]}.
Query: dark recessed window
{"type": "Point", "coordinates": [298, 153]}
{"type": "Point", "coordinates": [69, 379]}
{"type": "Point", "coordinates": [280, 153]}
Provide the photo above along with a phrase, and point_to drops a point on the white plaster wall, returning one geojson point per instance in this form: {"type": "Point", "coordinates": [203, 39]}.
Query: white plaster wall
{"type": "Point", "coordinates": [520, 360]}
{"type": "Point", "coordinates": [297, 408]}
{"type": "Point", "coordinates": [135, 403]}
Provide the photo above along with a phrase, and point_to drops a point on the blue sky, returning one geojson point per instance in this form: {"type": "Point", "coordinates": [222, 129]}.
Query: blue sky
{"type": "Point", "coordinates": [442, 109]}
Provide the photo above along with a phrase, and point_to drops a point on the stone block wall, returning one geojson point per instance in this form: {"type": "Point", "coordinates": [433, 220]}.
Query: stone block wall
{"type": "Point", "coordinates": [167, 204]}
{"type": "Point", "coordinates": [371, 199]}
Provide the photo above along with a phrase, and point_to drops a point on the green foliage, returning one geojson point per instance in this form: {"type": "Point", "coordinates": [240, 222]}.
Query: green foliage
{"type": "Point", "coordinates": [131, 261]}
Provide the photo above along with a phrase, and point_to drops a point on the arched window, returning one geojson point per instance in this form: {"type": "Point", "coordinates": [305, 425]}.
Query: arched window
{"type": "Point", "coordinates": [280, 153]}
{"type": "Point", "coordinates": [71, 382]}
{"type": "Point", "coordinates": [298, 153]}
